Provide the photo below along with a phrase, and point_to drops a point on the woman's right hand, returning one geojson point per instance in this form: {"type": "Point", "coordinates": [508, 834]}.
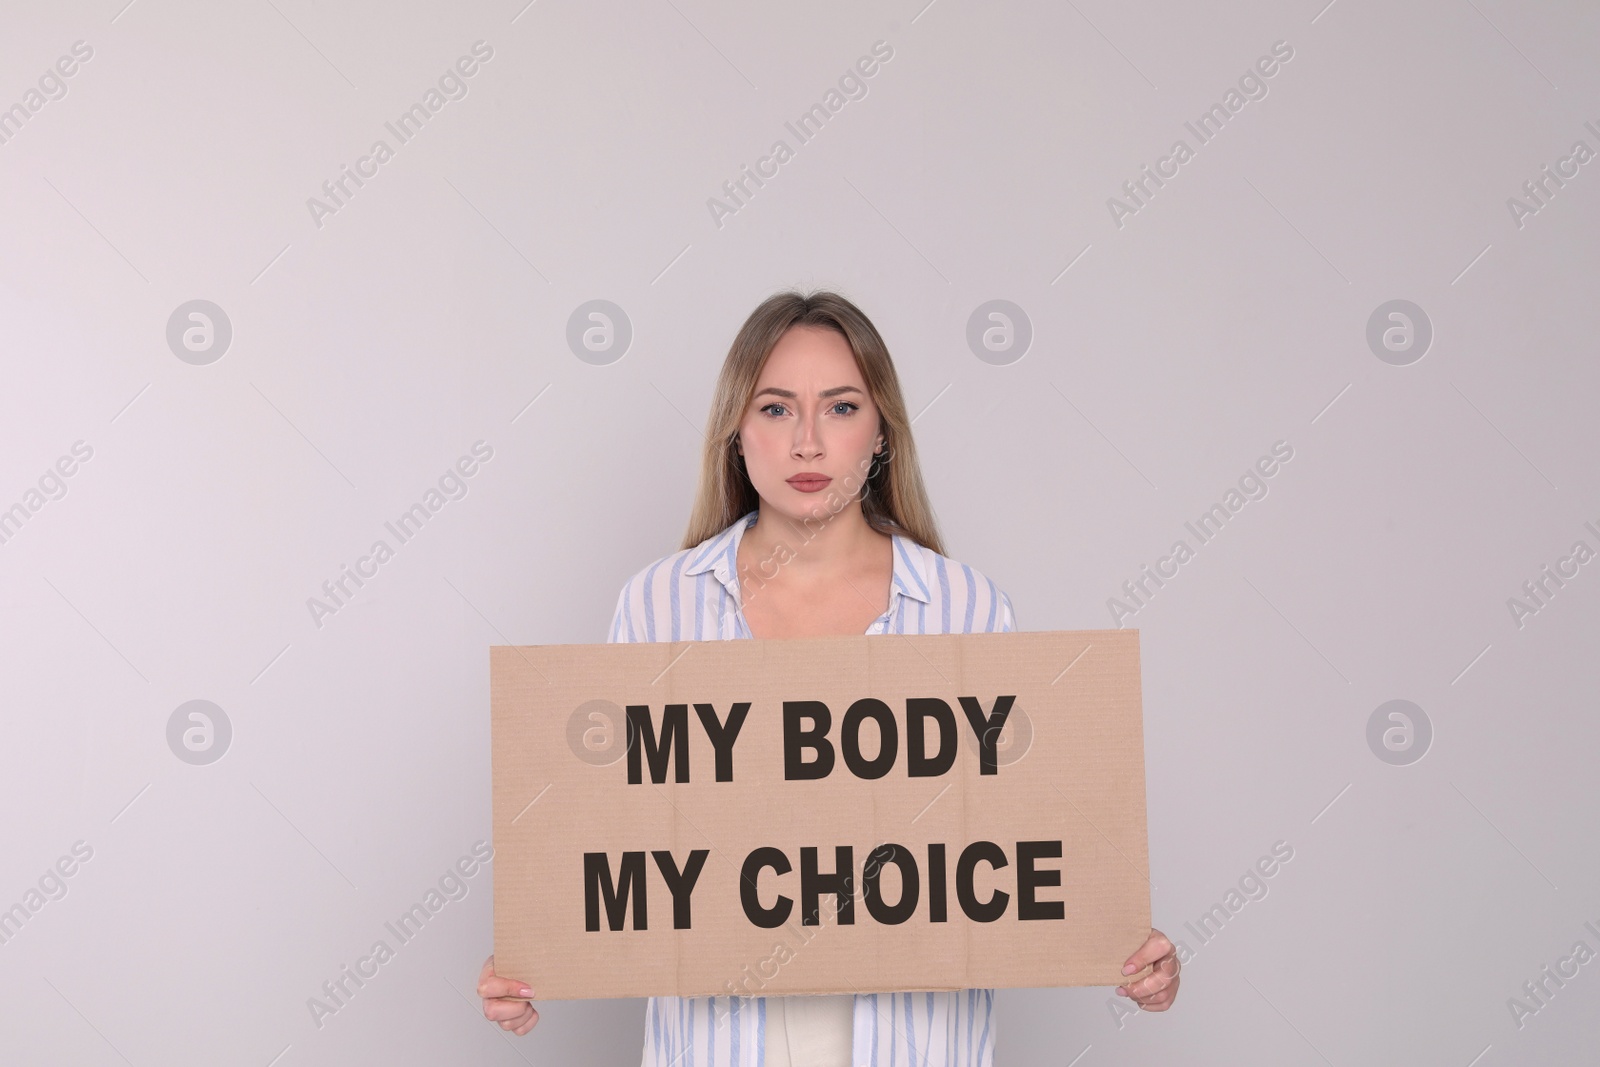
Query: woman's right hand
{"type": "Point", "coordinates": [501, 1001]}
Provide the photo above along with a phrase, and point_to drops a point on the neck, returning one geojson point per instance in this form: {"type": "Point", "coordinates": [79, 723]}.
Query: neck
{"type": "Point", "coordinates": [810, 544]}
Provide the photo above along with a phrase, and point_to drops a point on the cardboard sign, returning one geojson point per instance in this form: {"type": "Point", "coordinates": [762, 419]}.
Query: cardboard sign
{"type": "Point", "coordinates": [819, 815]}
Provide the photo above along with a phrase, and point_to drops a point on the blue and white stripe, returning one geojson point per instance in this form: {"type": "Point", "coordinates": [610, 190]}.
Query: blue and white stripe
{"type": "Point", "coordinates": [693, 595]}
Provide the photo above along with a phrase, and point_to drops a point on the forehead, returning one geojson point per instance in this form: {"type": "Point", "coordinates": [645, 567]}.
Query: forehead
{"type": "Point", "coordinates": [809, 354]}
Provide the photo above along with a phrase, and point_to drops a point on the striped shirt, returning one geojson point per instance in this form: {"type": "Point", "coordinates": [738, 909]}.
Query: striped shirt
{"type": "Point", "coordinates": [693, 595]}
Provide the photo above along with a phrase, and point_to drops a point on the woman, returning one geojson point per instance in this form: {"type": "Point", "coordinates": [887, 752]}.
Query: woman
{"type": "Point", "coordinates": [811, 520]}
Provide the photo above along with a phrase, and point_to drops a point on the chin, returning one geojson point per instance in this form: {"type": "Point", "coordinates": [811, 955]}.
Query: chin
{"type": "Point", "coordinates": [799, 506]}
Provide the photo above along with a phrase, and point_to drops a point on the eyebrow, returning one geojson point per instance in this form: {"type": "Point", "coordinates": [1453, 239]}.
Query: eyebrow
{"type": "Point", "coordinates": [791, 395]}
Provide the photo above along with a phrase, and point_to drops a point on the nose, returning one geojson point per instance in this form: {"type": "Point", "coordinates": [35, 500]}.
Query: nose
{"type": "Point", "coordinates": [807, 444]}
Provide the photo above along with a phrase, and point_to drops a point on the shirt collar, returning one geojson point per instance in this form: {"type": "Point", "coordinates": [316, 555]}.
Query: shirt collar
{"type": "Point", "coordinates": [719, 555]}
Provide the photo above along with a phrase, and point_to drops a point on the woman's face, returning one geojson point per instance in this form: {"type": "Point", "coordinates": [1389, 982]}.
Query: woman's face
{"type": "Point", "coordinates": [810, 415]}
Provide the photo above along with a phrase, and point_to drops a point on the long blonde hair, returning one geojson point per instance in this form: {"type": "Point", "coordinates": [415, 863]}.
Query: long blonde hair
{"type": "Point", "coordinates": [895, 500]}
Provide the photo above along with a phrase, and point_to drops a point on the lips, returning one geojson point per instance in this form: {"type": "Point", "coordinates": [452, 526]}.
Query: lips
{"type": "Point", "coordinates": [810, 482]}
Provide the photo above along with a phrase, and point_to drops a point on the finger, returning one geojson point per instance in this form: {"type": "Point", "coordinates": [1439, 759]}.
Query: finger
{"type": "Point", "coordinates": [522, 1021]}
{"type": "Point", "coordinates": [1162, 1000]}
{"type": "Point", "coordinates": [1154, 947]}
{"type": "Point", "coordinates": [1149, 986]}
{"type": "Point", "coordinates": [506, 1012]}
{"type": "Point", "coordinates": [492, 985]}
{"type": "Point", "coordinates": [1161, 1003]}
{"type": "Point", "coordinates": [1165, 968]}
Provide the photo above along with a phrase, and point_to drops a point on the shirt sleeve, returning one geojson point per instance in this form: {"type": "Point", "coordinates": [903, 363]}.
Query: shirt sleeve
{"type": "Point", "coordinates": [621, 631]}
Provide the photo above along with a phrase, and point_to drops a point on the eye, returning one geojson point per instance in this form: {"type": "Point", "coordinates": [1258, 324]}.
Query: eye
{"type": "Point", "coordinates": [848, 405]}
{"type": "Point", "coordinates": [774, 404]}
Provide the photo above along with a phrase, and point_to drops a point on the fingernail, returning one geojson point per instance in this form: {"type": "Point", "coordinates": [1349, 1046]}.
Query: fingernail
{"type": "Point", "coordinates": [1128, 968]}
{"type": "Point", "coordinates": [1121, 992]}
{"type": "Point", "coordinates": [526, 992]}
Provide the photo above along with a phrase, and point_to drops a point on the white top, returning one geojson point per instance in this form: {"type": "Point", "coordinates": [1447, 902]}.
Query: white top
{"type": "Point", "coordinates": [693, 595]}
{"type": "Point", "coordinates": [812, 1031]}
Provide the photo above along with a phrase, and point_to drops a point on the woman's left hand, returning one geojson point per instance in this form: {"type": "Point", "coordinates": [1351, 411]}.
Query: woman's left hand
{"type": "Point", "coordinates": [1156, 990]}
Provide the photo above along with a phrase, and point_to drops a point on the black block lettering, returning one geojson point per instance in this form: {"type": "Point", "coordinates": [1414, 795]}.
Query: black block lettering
{"type": "Point", "coordinates": [681, 883]}
{"type": "Point", "coordinates": [918, 763]}
{"type": "Point", "coordinates": [937, 908]}
{"type": "Point", "coordinates": [749, 892]}
{"type": "Point", "coordinates": [597, 883]}
{"type": "Point", "coordinates": [840, 884]}
{"type": "Point", "coordinates": [723, 735]}
{"type": "Point", "coordinates": [971, 856]}
{"type": "Point", "coordinates": [1029, 879]}
{"type": "Point", "coordinates": [674, 741]}
{"type": "Point", "coordinates": [987, 728]}
{"type": "Point", "coordinates": [850, 738]}
{"type": "Point", "coordinates": [796, 739]}
{"type": "Point", "coordinates": [872, 891]}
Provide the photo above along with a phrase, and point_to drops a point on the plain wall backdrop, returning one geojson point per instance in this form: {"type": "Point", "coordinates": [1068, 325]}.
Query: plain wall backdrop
{"type": "Point", "coordinates": [1158, 338]}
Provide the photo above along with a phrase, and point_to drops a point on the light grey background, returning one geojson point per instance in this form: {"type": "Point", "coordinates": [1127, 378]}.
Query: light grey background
{"type": "Point", "coordinates": [1168, 354]}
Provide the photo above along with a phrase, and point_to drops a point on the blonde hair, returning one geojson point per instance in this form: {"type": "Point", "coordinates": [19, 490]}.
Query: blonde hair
{"type": "Point", "coordinates": [895, 500]}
